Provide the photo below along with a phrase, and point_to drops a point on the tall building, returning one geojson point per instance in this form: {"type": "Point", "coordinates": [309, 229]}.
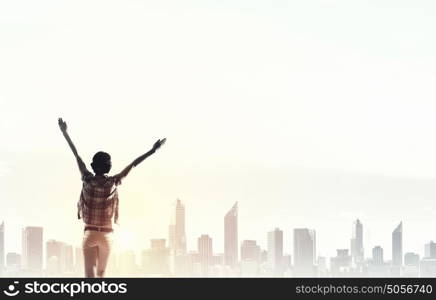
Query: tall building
{"type": "Point", "coordinates": [263, 256]}
{"type": "Point", "coordinates": [304, 251]}
{"type": "Point", "coordinates": [32, 248]}
{"type": "Point", "coordinates": [340, 263]}
{"type": "Point", "coordinates": [397, 246]}
{"type": "Point", "coordinates": [2, 246]}
{"type": "Point", "coordinates": [177, 234]}
{"type": "Point", "coordinates": [59, 258]}
{"type": "Point", "coordinates": [377, 255]}
{"type": "Point", "coordinates": [411, 259]}
{"type": "Point", "coordinates": [357, 253]}
{"type": "Point", "coordinates": [205, 253]}
{"type": "Point", "coordinates": [411, 265]}
{"type": "Point", "coordinates": [250, 251]}
{"type": "Point", "coordinates": [427, 267]}
{"type": "Point", "coordinates": [231, 236]}
{"type": "Point", "coordinates": [275, 251]}
{"type": "Point", "coordinates": [155, 260]}
{"type": "Point", "coordinates": [430, 250]}
{"type": "Point", "coordinates": [54, 257]}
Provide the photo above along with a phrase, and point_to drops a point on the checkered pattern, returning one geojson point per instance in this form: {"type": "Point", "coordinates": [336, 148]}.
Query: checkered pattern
{"type": "Point", "coordinates": [98, 200]}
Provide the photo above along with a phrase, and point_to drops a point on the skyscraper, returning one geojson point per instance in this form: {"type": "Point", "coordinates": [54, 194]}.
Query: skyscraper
{"type": "Point", "coordinates": [357, 242]}
{"type": "Point", "coordinates": [32, 248]}
{"type": "Point", "coordinates": [205, 253]}
{"type": "Point", "coordinates": [177, 234]}
{"type": "Point", "coordinates": [275, 251]}
{"type": "Point", "coordinates": [231, 236]}
{"type": "Point", "coordinates": [340, 263]}
{"type": "Point", "coordinates": [2, 246]}
{"type": "Point", "coordinates": [377, 255]}
{"type": "Point", "coordinates": [250, 258]}
{"type": "Point", "coordinates": [59, 257]}
{"type": "Point", "coordinates": [397, 246]}
{"type": "Point", "coordinates": [54, 257]}
{"type": "Point", "coordinates": [411, 259]}
{"type": "Point", "coordinates": [304, 251]}
{"type": "Point", "coordinates": [250, 251]}
{"type": "Point", "coordinates": [156, 259]}
{"type": "Point", "coordinates": [430, 250]}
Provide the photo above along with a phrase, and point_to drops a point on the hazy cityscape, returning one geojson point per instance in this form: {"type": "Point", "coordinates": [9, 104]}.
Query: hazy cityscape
{"type": "Point", "coordinates": [241, 258]}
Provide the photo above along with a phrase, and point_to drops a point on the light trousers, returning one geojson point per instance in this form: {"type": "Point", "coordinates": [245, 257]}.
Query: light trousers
{"type": "Point", "coordinates": [96, 250]}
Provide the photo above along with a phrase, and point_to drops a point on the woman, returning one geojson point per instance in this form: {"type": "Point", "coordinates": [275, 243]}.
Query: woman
{"type": "Point", "coordinates": [98, 204]}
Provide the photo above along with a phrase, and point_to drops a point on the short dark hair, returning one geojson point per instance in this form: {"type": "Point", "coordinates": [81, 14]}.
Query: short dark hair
{"type": "Point", "coordinates": [101, 163]}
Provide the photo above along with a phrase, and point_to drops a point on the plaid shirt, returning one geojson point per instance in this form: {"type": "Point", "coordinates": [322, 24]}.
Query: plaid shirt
{"type": "Point", "coordinates": [98, 200]}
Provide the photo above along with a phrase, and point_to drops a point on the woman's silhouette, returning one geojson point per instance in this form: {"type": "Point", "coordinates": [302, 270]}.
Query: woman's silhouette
{"type": "Point", "coordinates": [98, 204]}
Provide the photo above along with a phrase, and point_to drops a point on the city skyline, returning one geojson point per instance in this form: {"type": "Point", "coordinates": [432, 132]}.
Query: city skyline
{"type": "Point", "coordinates": [396, 235]}
{"type": "Point", "coordinates": [274, 260]}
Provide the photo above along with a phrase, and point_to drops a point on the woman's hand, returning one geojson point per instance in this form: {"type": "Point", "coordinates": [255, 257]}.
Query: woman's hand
{"type": "Point", "coordinates": [159, 143]}
{"type": "Point", "coordinates": [62, 125]}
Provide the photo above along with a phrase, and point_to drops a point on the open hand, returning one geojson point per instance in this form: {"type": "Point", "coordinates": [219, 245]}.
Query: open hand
{"type": "Point", "coordinates": [159, 143]}
{"type": "Point", "coordinates": [62, 125]}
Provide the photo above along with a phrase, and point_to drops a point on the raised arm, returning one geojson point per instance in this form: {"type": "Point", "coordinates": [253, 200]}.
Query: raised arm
{"type": "Point", "coordinates": [140, 159]}
{"type": "Point", "coordinates": [81, 164]}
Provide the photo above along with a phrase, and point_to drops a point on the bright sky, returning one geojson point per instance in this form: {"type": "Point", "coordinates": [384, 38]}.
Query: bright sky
{"type": "Point", "coordinates": [309, 113]}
